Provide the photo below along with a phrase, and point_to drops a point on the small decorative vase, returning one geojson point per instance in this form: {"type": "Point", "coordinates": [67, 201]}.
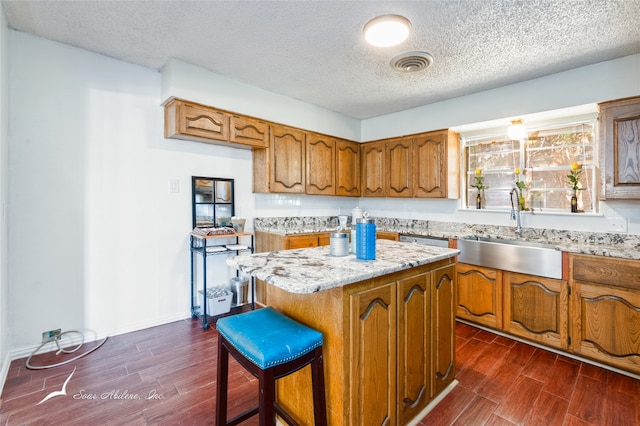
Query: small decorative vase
{"type": "Point", "coordinates": [574, 202]}
{"type": "Point", "coordinates": [522, 201]}
{"type": "Point", "coordinates": [478, 201]}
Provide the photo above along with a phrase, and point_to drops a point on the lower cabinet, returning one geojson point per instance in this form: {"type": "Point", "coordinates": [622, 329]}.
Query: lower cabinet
{"type": "Point", "coordinates": [528, 306]}
{"type": "Point", "coordinates": [384, 235]}
{"type": "Point", "coordinates": [402, 347]}
{"type": "Point", "coordinates": [594, 314]}
{"type": "Point", "coordinates": [479, 295]}
{"type": "Point", "coordinates": [307, 240]}
{"type": "Point", "coordinates": [443, 334]}
{"type": "Point", "coordinates": [605, 310]}
{"type": "Point", "coordinates": [373, 346]}
{"type": "Point", "coordinates": [414, 337]}
{"type": "Point", "coordinates": [536, 308]}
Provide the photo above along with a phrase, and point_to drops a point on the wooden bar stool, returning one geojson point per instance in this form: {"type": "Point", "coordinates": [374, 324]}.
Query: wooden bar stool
{"type": "Point", "coordinates": [269, 345]}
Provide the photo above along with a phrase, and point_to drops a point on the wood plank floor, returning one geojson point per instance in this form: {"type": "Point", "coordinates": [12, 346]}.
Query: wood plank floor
{"type": "Point", "coordinates": [506, 382]}
{"type": "Point", "coordinates": [166, 376]}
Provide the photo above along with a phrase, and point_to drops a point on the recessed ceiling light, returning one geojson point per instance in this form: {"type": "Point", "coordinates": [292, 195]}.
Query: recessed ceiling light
{"type": "Point", "coordinates": [387, 30]}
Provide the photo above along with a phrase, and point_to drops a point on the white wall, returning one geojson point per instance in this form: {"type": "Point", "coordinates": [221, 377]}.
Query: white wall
{"type": "Point", "coordinates": [594, 83]}
{"type": "Point", "coordinates": [566, 93]}
{"type": "Point", "coordinates": [186, 81]}
{"type": "Point", "coordinates": [569, 90]}
{"type": "Point", "coordinates": [4, 186]}
{"type": "Point", "coordinates": [96, 239]}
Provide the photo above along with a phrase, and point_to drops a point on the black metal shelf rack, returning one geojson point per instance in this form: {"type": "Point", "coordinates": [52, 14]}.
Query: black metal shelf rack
{"type": "Point", "coordinates": [198, 246]}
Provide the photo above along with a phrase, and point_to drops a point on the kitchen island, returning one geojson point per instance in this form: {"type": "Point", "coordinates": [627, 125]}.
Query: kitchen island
{"type": "Point", "coordinates": [387, 324]}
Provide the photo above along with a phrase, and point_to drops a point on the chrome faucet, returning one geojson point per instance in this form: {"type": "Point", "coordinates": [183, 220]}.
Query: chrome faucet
{"type": "Point", "coordinates": [515, 211]}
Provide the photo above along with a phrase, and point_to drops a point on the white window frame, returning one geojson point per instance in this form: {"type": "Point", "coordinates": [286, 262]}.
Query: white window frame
{"type": "Point", "coordinates": [470, 137]}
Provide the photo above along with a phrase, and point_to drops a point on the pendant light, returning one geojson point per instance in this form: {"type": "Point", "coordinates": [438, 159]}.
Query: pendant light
{"type": "Point", "coordinates": [517, 130]}
{"type": "Point", "coordinates": [387, 30]}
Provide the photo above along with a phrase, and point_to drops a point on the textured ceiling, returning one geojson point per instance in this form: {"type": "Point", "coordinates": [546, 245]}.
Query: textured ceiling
{"type": "Point", "coordinates": [314, 51]}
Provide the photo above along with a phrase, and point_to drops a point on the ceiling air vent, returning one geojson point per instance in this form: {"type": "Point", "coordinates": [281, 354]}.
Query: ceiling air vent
{"type": "Point", "coordinates": [411, 61]}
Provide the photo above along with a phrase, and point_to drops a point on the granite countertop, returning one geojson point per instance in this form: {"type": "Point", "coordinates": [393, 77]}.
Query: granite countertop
{"type": "Point", "coordinates": [623, 246]}
{"type": "Point", "coordinates": [313, 269]}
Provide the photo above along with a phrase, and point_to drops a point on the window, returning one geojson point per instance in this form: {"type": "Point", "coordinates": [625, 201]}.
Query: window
{"type": "Point", "coordinates": [212, 201]}
{"type": "Point", "coordinates": [544, 160]}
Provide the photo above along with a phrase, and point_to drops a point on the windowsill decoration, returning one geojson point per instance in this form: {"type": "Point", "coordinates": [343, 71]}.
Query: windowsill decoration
{"type": "Point", "coordinates": [479, 185]}
{"type": "Point", "coordinates": [574, 183]}
{"type": "Point", "coordinates": [522, 187]}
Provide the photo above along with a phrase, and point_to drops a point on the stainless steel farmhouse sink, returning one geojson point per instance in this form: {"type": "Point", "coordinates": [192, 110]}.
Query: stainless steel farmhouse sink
{"type": "Point", "coordinates": [512, 255]}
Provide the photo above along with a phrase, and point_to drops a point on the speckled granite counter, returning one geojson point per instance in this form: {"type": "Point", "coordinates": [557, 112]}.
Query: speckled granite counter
{"type": "Point", "coordinates": [314, 269]}
{"type": "Point", "coordinates": [597, 243]}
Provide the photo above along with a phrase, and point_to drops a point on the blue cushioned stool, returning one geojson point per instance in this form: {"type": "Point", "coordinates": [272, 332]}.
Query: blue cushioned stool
{"type": "Point", "coordinates": [269, 345]}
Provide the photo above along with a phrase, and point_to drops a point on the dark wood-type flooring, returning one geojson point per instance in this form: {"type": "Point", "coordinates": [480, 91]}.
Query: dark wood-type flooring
{"type": "Point", "coordinates": [166, 376]}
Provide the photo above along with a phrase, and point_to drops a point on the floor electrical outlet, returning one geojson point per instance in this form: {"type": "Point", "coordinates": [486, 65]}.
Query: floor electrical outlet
{"type": "Point", "coordinates": [51, 334]}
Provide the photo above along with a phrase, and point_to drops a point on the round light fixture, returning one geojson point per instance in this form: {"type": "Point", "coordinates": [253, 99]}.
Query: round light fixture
{"type": "Point", "coordinates": [516, 131]}
{"type": "Point", "coordinates": [387, 30]}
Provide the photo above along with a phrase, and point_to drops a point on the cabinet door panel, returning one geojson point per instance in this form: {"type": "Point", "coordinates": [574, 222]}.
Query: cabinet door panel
{"type": "Point", "coordinates": [373, 169]}
{"type": "Point", "coordinates": [479, 295]}
{"type": "Point", "coordinates": [205, 123]}
{"type": "Point", "coordinates": [373, 356]}
{"type": "Point", "coordinates": [347, 168]}
{"type": "Point", "coordinates": [605, 324]}
{"type": "Point", "coordinates": [620, 148]}
{"type": "Point", "coordinates": [398, 168]}
{"type": "Point", "coordinates": [287, 150]}
{"type": "Point", "coordinates": [536, 308]}
{"type": "Point", "coordinates": [248, 131]}
{"type": "Point", "coordinates": [320, 165]}
{"type": "Point", "coordinates": [191, 121]}
{"type": "Point", "coordinates": [429, 165]}
{"type": "Point", "coordinates": [443, 336]}
{"type": "Point", "coordinates": [414, 345]}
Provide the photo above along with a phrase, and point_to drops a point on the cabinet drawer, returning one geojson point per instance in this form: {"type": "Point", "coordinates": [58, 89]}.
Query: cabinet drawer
{"type": "Point", "coordinates": [306, 240]}
{"type": "Point", "coordinates": [383, 235]}
{"type": "Point", "coordinates": [605, 270]}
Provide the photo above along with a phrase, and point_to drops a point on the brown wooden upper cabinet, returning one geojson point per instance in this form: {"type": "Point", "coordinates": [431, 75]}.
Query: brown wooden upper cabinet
{"type": "Point", "coordinates": [292, 160]}
{"type": "Point", "coordinates": [347, 168]}
{"type": "Point", "coordinates": [435, 165]}
{"type": "Point", "coordinates": [423, 165]}
{"type": "Point", "coordinates": [321, 165]}
{"type": "Point", "coordinates": [248, 131]}
{"type": "Point", "coordinates": [620, 148]}
{"type": "Point", "coordinates": [333, 166]}
{"type": "Point", "coordinates": [195, 122]}
{"type": "Point", "coordinates": [191, 121]}
{"type": "Point", "coordinates": [280, 168]}
{"type": "Point", "coordinates": [373, 169]}
{"type": "Point", "coordinates": [398, 179]}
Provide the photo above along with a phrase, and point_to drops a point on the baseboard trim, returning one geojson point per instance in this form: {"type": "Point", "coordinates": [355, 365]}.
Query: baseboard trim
{"type": "Point", "coordinates": [92, 335]}
{"type": "Point", "coordinates": [417, 419]}
{"type": "Point", "coordinates": [3, 374]}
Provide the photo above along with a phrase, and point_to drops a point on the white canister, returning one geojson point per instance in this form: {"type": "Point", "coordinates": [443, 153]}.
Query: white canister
{"type": "Point", "coordinates": [353, 239]}
{"type": "Point", "coordinates": [355, 215]}
{"type": "Point", "coordinates": [339, 244]}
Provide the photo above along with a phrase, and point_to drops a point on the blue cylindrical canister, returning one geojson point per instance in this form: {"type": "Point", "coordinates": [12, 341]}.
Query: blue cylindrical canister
{"type": "Point", "coordinates": [366, 239]}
